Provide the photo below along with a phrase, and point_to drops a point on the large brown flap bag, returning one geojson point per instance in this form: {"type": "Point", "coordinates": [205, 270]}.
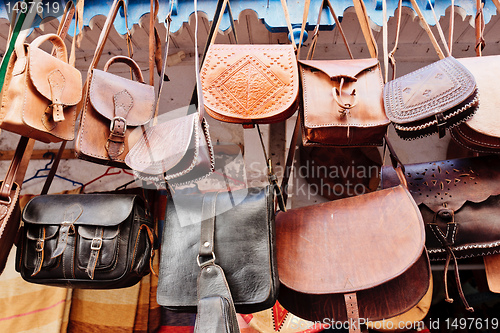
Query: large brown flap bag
{"type": "Point", "coordinates": [343, 102]}
{"type": "Point", "coordinates": [359, 257]}
{"type": "Point", "coordinates": [41, 92]}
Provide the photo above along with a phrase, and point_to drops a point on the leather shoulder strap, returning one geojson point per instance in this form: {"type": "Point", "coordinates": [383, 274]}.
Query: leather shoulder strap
{"type": "Point", "coordinates": [364, 21]}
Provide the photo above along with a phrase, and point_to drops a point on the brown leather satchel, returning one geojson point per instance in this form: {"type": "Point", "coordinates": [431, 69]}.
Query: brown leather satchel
{"type": "Point", "coordinates": [460, 203]}
{"type": "Point", "coordinates": [342, 99]}
{"type": "Point", "coordinates": [113, 107]}
{"type": "Point", "coordinates": [353, 258]}
{"type": "Point", "coordinates": [40, 92]}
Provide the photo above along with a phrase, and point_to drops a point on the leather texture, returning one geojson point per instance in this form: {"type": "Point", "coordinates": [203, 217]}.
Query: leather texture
{"type": "Point", "coordinates": [10, 218]}
{"type": "Point", "coordinates": [113, 108]}
{"type": "Point", "coordinates": [342, 103]}
{"type": "Point", "coordinates": [250, 84]}
{"type": "Point", "coordinates": [216, 313]}
{"type": "Point", "coordinates": [431, 99]}
{"type": "Point", "coordinates": [41, 92]}
{"type": "Point", "coordinates": [353, 245]}
{"type": "Point", "coordinates": [459, 200]}
{"type": "Point", "coordinates": [179, 150]}
{"type": "Point", "coordinates": [481, 133]}
{"type": "Point", "coordinates": [99, 241]}
{"type": "Point", "coordinates": [492, 269]}
{"type": "Point", "coordinates": [244, 248]}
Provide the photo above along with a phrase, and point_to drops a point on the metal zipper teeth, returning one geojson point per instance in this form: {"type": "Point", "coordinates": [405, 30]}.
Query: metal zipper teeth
{"type": "Point", "coordinates": [433, 122]}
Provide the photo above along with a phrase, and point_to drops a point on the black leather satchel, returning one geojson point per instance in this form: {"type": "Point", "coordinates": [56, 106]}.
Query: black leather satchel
{"type": "Point", "coordinates": [100, 241]}
{"type": "Point", "coordinates": [244, 247]}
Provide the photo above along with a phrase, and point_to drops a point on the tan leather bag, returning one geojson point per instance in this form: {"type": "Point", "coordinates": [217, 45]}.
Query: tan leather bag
{"type": "Point", "coordinates": [481, 133]}
{"type": "Point", "coordinates": [113, 107]}
{"type": "Point", "coordinates": [41, 92]}
{"type": "Point", "coordinates": [348, 259]}
{"type": "Point", "coordinates": [250, 84]}
{"type": "Point", "coordinates": [342, 99]}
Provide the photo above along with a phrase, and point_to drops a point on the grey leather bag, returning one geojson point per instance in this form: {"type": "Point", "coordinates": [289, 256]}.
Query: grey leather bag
{"type": "Point", "coordinates": [243, 246]}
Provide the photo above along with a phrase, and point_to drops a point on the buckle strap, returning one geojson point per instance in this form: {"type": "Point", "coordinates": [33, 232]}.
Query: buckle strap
{"type": "Point", "coordinates": [95, 249]}
{"type": "Point", "coordinates": [123, 103]}
{"type": "Point", "coordinates": [351, 305]}
{"type": "Point", "coordinates": [40, 244]}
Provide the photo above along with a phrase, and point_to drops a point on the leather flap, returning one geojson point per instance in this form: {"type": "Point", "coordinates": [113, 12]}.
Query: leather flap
{"type": "Point", "coordinates": [49, 73]}
{"type": "Point", "coordinates": [427, 91]}
{"type": "Point", "coordinates": [350, 244]}
{"type": "Point", "coordinates": [140, 97]}
{"type": "Point", "coordinates": [449, 182]}
{"type": "Point", "coordinates": [341, 68]}
{"type": "Point", "coordinates": [88, 232]}
{"type": "Point", "coordinates": [486, 71]}
{"type": "Point", "coordinates": [250, 81]}
{"type": "Point", "coordinates": [36, 232]}
{"type": "Point", "coordinates": [162, 147]}
{"type": "Point", "coordinates": [86, 209]}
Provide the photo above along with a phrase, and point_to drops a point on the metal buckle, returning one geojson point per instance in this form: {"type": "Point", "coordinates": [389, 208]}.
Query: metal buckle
{"type": "Point", "coordinates": [39, 245]}
{"type": "Point", "coordinates": [98, 246]}
{"type": "Point", "coordinates": [112, 124]}
{"type": "Point", "coordinates": [205, 263]}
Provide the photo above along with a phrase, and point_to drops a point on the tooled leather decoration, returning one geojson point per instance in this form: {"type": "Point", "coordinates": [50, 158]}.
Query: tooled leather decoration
{"type": "Point", "coordinates": [249, 86]}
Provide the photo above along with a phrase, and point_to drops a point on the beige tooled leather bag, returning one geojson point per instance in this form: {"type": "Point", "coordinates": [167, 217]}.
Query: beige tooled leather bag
{"type": "Point", "coordinates": [41, 92]}
{"type": "Point", "coordinates": [113, 106]}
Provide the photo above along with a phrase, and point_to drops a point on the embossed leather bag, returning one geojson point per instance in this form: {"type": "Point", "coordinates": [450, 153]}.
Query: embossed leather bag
{"type": "Point", "coordinates": [342, 99]}
{"type": "Point", "coordinates": [460, 203]}
{"type": "Point", "coordinates": [100, 241]}
{"type": "Point", "coordinates": [113, 107]}
{"type": "Point", "coordinates": [243, 246]}
{"type": "Point", "coordinates": [431, 99]}
{"type": "Point", "coordinates": [40, 92]}
{"type": "Point", "coordinates": [353, 258]}
{"type": "Point", "coordinates": [178, 150]}
{"type": "Point", "coordinates": [250, 84]}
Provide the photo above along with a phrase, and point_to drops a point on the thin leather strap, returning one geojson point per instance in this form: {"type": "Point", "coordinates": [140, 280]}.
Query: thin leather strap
{"type": "Point", "coordinates": [363, 19]}
{"type": "Point", "coordinates": [127, 61]}
{"type": "Point", "coordinates": [8, 181]}
{"type": "Point", "coordinates": [288, 23]}
{"type": "Point", "coordinates": [351, 305]}
{"type": "Point", "coordinates": [207, 232]}
{"type": "Point", "coordinates": [307, 4]}
{"type": "Point", "coordinates": [451, 29]}
{"type": "Point", "coordinates": [480, 25]}
{"type": "Point", "coordinates": [427, 29]}
{"type": "Point", "coordinates": [391, 57]}
{"type": "Point", "coordinates": [312, 48]}
{"type": "Point", "coordinates": [153, 14]}
{"type": "Point", "coordinates": [440, 30]}
{"type": "Point", "coordinates": [289, 159]}
{"type": "Point", "coordinates": [385, 42]}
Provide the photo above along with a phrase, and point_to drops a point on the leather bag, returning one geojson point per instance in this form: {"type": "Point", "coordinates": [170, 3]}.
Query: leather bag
{"type": "Point", "coordinates": [244, 248]}
{"type": "Point", "coordinates": [431, 99]}
{"type": "Point", "coordinates": [250, 84]}
{"type": "Point", "coordinates": [179, 150]}
{"type": "Point", "coordinates": [358, 257]}
{"type": "Point", "coordinates": [342, 99]}
{"type": "Point", "coordinates": [113, 107]}
{"type": "Point", "coordinates": [99, 241]}
{"type": "Point", "coordinates": [41, 92]}
{"type": "Point", "coordinates": [460, 203]}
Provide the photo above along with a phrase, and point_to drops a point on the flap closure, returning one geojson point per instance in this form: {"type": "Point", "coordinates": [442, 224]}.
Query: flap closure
{"type": "Point", "coordinates": [88, 209]}
{"type": "Point", "coordinates": [164, 145]}
{"type": "Point", "coordinates": [349, 68]}
{"type": "Point", "coordinates": [430, 90]}
{"type": "Point", "coordinates": [88, 232]}
{"type": "Point", "coordinates": [350, 244]}
{"type": "Point", "coordinates": [450, 183]}
{"type": "Point", "coordinates": [109, 92]}
{"type": "Point", "coordinates": [36, 233]}
{"type": "Point", "coordinates": [55, 79]}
